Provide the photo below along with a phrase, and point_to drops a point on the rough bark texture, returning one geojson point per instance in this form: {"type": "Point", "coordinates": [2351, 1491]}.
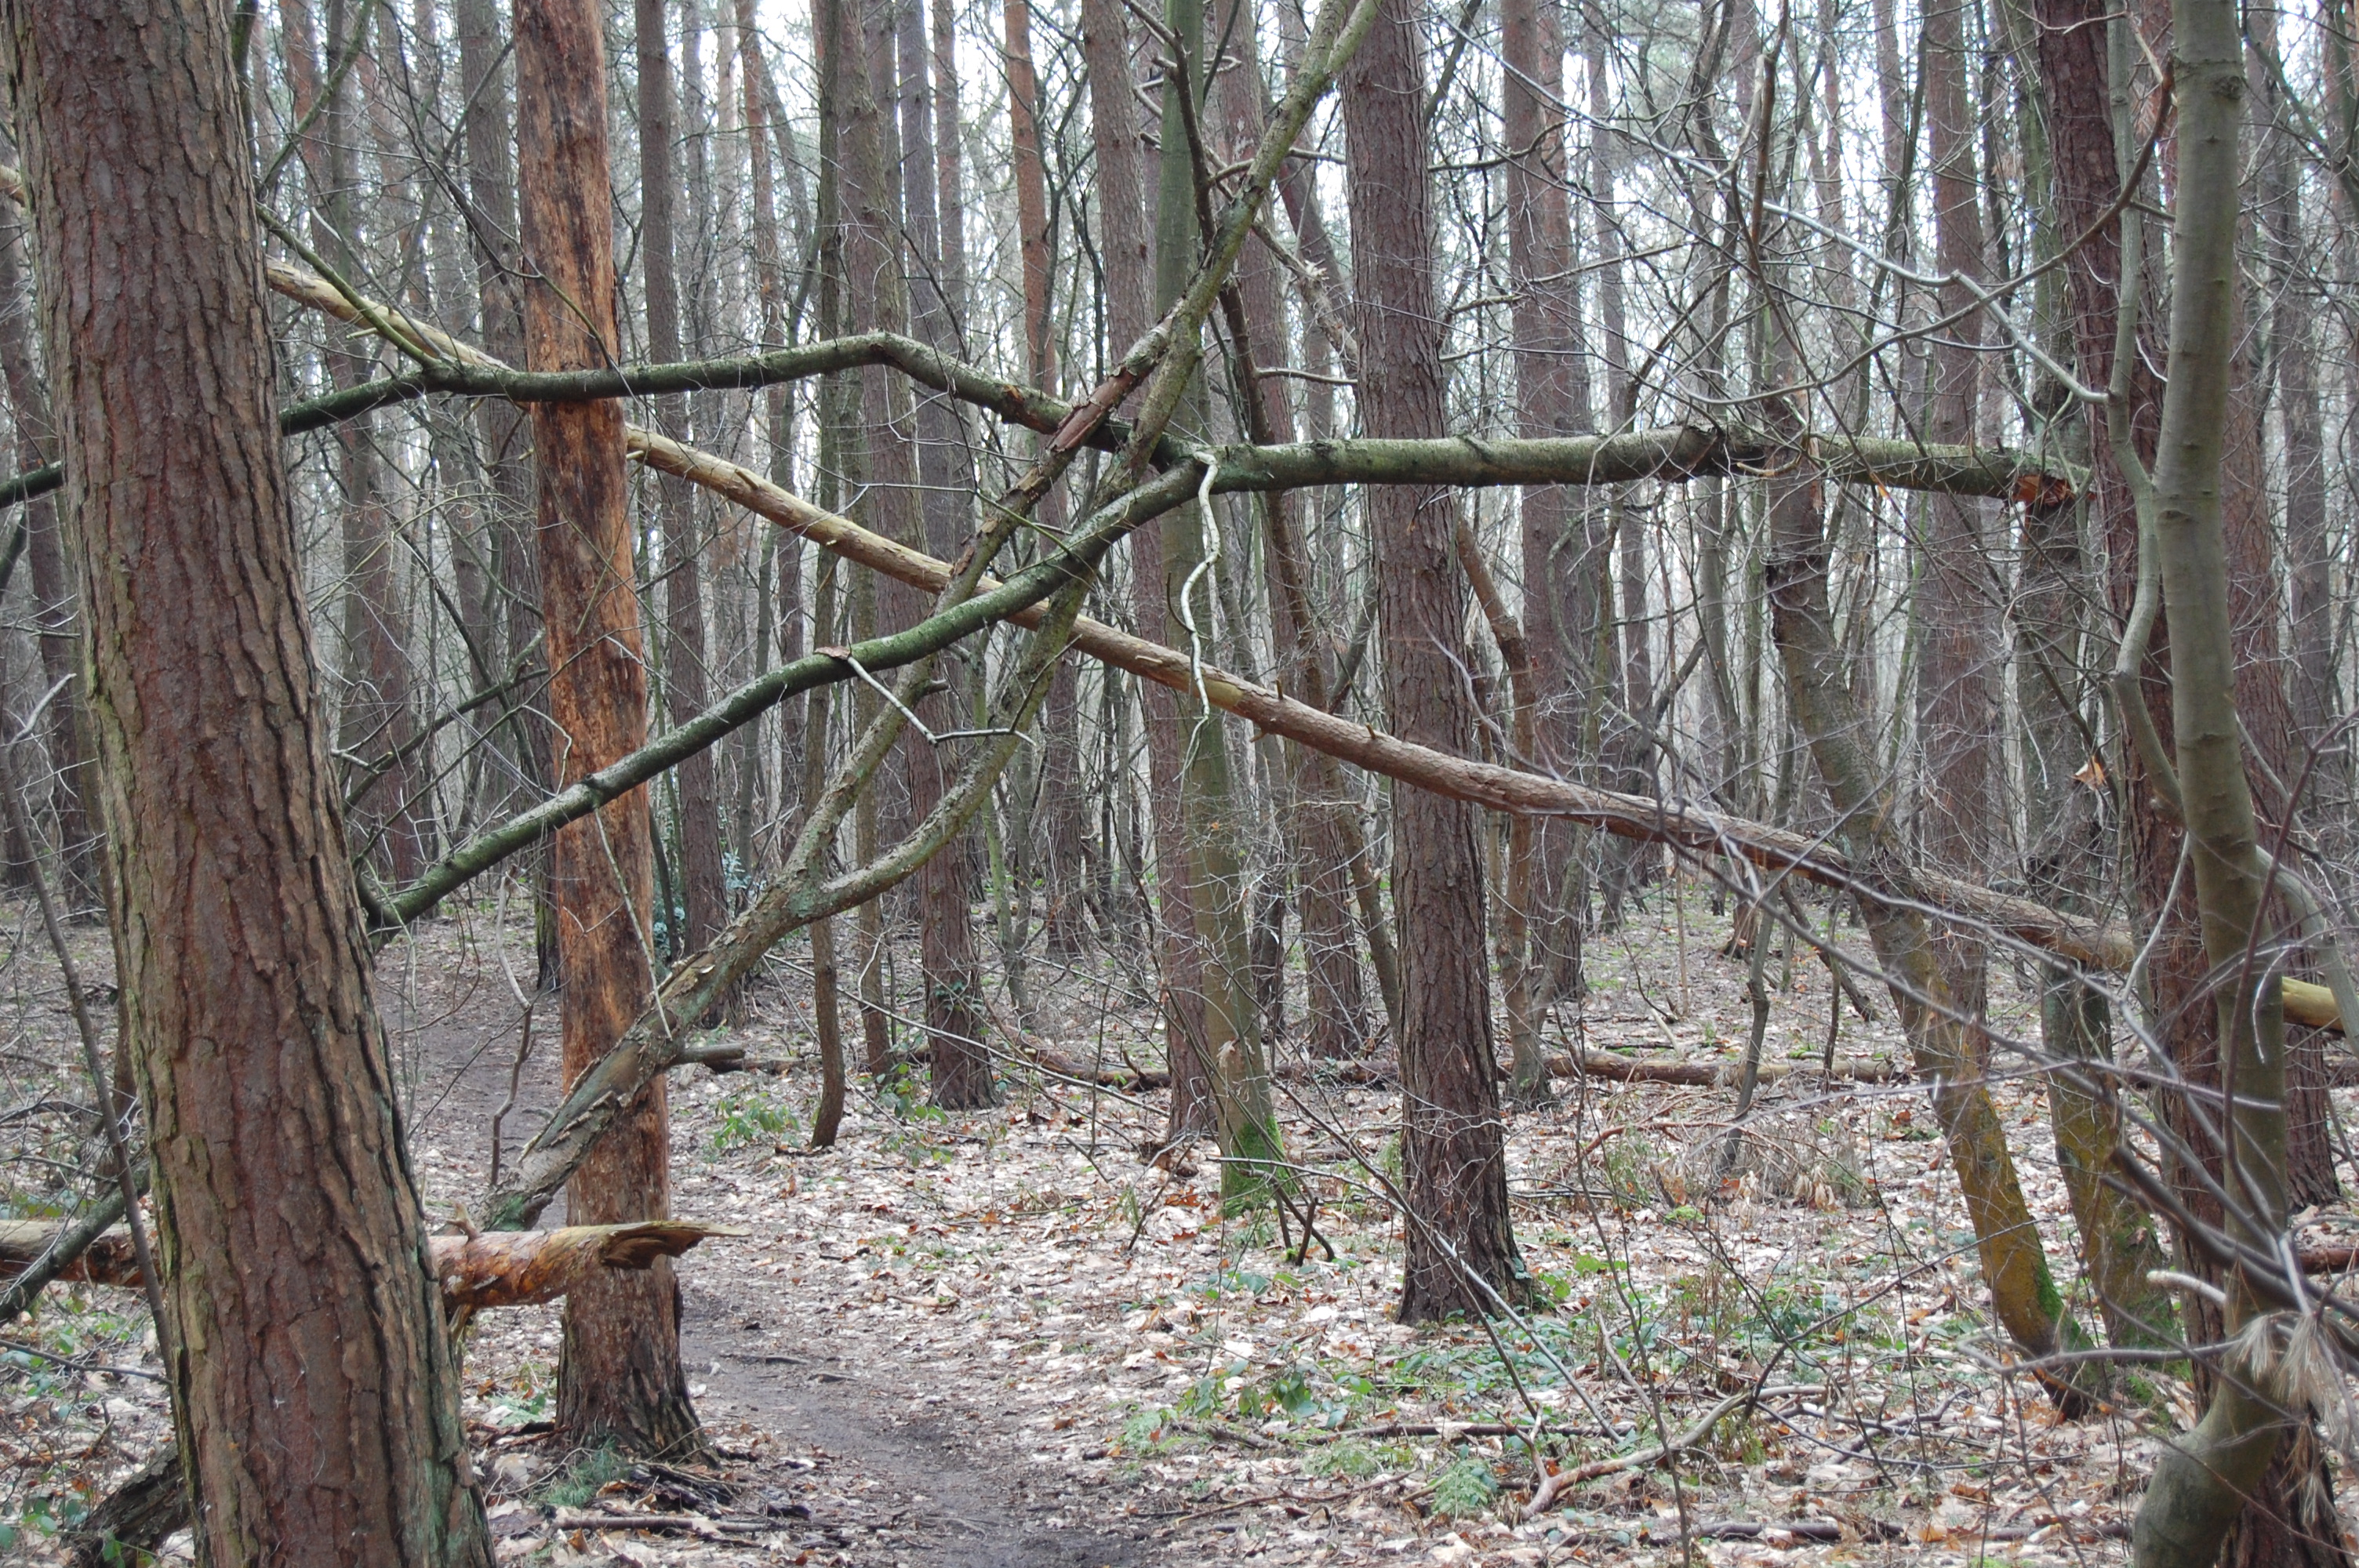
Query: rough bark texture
{"type": "Point", "coordinates": [1957, 691]}
{"type": "Point", "coordinates": [1453, 1154]}
{"type": "Point", "coordinates": [1547, 304]}
{"type": "Point", "coordinates": [620, 1379]}
{"type": "Point", "coordinates": [312, 1380]}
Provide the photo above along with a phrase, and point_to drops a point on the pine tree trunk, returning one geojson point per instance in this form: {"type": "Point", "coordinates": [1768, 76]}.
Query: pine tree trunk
{"type": "Point", "coordinates": [1122, 217]}
{"type": "Point", "coordinates": [1540, 253]}
{"type": "Point", "coordinates": [502, 429]}
{"type": "Point", "coordinates": [1957, 691]}
{"type": "Point", "coordinates": [704, 881]}
{"type": "Point", "coordinates": [55, 596]}
{"type": "Point", "coordinates": [292, 1245]}
{"type": "Point", "coordinates": [620, 1379]}
{"type": "Point", "coordinates": [2072, 82]}
{"type": "Point", "coordinates": [1314, 811]}
{"type": "Point", "coordinates": [954, 1018]}
{"type": "Point", "coordinates": [1461, 1248]}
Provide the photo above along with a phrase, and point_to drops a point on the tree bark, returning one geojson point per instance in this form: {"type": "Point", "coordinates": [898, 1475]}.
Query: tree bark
{"type": "Point", "coordinates": [312, 1378]}
{"type": "Point", "coordinates": [1957, 691]}
{"type": "Point", "coordinates": [954, 1018]}
{"type": "Point", "coordinates": [703, 880]}
{"type": "Point", "coordinates": [2202, 1481]}
{"type": "Point", "coordinates": [501, 429]}
{"type": "Point", "coordinates": [1545, 322]}
{"type": "Point", "coordinates": [1057, 822]}
{"type": "Point", "coordinates": [1228, 1050]}
{"type": "Point", "coordinates": [1121, 238]}
{"type": "Point", "coordinates": [56, 595]}
{"type": "Point", "coordinates": [494, 1269]}
{"type": "Point", "coordinates": [1315, 809]}
{"type": "Point", "coordinates": [620, 1379]}
{"type": "Point", "coordinates": [378, 718]}
{"type": "Point", "coordinates": [1461, 1250]}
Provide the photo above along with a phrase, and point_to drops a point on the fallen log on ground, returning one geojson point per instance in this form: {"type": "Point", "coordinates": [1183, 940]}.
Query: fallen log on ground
{"type": "Point", "coordinates": [1713, 1074]}
{"type": "Point", "coordinates": [494, 1269]}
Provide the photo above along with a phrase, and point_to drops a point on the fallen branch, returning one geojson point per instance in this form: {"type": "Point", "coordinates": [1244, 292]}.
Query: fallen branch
{"type": "Point", "coordinates": [1712, 1075]}
{"type": "Point", "coordinates": [1647, 1458]}
{"type": "Point", "coordinates": [568, 1520]}
{"type": "Point", "coordinates": [494, 1269]}
{"type": "Point", "coordinates": [63, 1250]}
{"type": "Point", "coordinates": [1031, 1047]}
{"type": "Point", "coordinates": [2098, 946]}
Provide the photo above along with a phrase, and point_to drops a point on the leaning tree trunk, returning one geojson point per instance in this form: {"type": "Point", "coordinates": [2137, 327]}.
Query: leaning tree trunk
{"type": "Point", "coordinates": [1462, 1251]}
{"type": "Point", "coordinates": [620, 1379]}
{"type": "Point", "coordinates": [312, 1378]}
{"type": "Point", "coordinates": [2064, 857]}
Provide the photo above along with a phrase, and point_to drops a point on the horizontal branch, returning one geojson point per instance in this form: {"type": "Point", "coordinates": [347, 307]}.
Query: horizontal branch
{"type": "Point", "coordinates": [1710, 833]}
{"type": "Point", "coordinates": [1671, 454]}
{"type": "Point", "coordinates": [493, 1269]}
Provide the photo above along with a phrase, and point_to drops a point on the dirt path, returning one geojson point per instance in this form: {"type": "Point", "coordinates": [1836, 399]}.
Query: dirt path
{"type": "Point", "coordinates": [912, 1472]}
{"type": "Point", "coordinates": [903, 1467]}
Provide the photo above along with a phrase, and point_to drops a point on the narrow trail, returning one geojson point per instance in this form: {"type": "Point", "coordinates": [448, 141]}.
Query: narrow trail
{"type": "Point", "coordinates": [910, 1471]}
{"type": "Point", "coordinates": [931, 1481]}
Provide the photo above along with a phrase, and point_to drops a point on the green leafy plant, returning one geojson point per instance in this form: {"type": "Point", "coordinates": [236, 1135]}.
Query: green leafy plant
{"type": "Point", "coordinates": [1467, 1488]}
{"type": "Point", "coordinates": [582, 1479]}
{"type": "Point", "coordinates": [749, 1116]}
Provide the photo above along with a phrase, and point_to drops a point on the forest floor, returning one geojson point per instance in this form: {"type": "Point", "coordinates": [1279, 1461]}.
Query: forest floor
{"type": "Point", "coordinates": [1000, 1339]}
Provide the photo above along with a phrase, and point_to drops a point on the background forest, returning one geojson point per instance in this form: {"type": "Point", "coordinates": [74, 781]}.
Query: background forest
{"type": "Point", "coordinates": [1519, 780]}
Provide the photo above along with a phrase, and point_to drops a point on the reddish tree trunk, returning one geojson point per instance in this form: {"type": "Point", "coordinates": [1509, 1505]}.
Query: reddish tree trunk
{"type": "Point", "coordinates": [1958, 694]}
{"type": "Point", "coordinates": [314, 1387]}
{"type": "Point", "coordinates": [620, 1379]}
{"type": "Point", "coordinates": [2280, 1527]}
{"type": "Point", "coordinates": [1546, 326]}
